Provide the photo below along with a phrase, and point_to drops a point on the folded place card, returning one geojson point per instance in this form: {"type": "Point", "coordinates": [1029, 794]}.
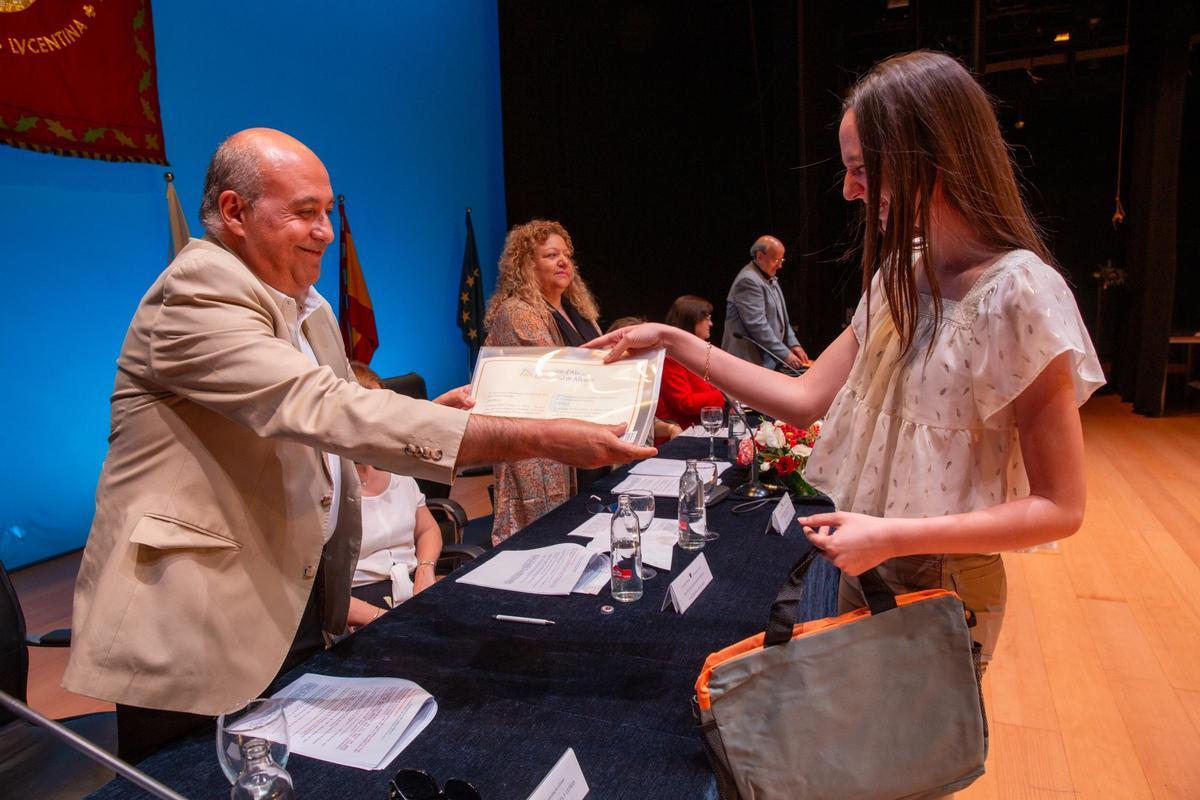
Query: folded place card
{"type": "Point", "coordinates": [563, 782]}
{"type": "Point", "coordinates": [687, 587]}
{"type": "Point", "coordinates": [783, 515]}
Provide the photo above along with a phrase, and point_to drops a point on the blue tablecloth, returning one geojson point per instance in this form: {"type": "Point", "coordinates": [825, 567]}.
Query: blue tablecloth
{"type": "Point", "coordinates": [512, 698]}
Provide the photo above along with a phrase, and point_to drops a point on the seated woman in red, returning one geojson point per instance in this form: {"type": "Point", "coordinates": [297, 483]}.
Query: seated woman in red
{"type": "Point", "coordinates": [684, 393]}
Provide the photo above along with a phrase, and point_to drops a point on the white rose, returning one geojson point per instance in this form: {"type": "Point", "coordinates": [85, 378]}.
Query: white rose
{"type": "Point", "coordinates": [801, 450]}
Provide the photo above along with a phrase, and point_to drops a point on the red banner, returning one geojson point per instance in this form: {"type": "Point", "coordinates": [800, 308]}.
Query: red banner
{"type": "Point", "coordinates": [78, 78]}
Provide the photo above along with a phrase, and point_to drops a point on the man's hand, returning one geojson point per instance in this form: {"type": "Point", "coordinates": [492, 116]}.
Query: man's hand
{"type": "Point", "coordinates": [456, 398]}
{"type": "Point", "coordinates": [579, 444]}
{"type": "Point", "coordinates": [799, 353]}
{"type": "Point", "coordinates": [633, 339]}
{"type": "Point", "coordinates": [793, 361]}
{"type": "Point", "coordinates": [588, 445]}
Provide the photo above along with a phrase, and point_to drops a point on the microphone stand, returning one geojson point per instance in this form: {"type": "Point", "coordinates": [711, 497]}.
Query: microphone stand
{"type": "Point", "coordinates": [792, 370]}
{"type": "Point", "coordinates": [89, 749]}
{"type": "Point", "coordinates": [752, 488]}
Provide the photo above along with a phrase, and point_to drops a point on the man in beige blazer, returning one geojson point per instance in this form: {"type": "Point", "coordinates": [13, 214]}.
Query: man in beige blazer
{"type": "Point", "coordinates": [227, 518]}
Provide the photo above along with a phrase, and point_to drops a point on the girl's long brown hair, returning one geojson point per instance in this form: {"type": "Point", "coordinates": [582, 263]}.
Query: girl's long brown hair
{"type": "Point", "coordinates": [516, 277]}
{"type": "Point", "coordinates": [927, 126]}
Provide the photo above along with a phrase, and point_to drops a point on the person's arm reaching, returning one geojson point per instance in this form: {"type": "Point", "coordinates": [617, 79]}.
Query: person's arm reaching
{"type": "Point", "coordinates": [573, 442]}
{"type": "Point", "coordinates": [796, 400]}
{"type": "Point", "coordinates": [428, 539]}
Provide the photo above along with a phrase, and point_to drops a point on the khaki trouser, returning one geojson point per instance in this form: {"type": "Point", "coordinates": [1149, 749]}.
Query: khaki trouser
{"type": "Point", "coordinates": [978, 579]}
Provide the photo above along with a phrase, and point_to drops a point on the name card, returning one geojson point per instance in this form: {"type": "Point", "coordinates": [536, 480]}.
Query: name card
{"type": "Point", "coordinates": [783, 515]}
{"type": "Point", "coordinates": [564, 782]}
{"type": "Point", "coordinates": [687, 587]}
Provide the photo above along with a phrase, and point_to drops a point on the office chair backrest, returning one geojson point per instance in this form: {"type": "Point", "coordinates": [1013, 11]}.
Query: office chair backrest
{"type": "Point", "coordinates": [411, 384]}
{"type": "Point", "coordinates": [14, 656]}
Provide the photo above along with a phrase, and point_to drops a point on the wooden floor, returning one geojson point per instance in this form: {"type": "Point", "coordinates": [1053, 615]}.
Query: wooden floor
{"type": "Point", "coordinates": [1095, 690]}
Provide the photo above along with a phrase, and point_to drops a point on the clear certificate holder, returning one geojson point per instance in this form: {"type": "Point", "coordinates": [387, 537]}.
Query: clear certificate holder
{"type": "Point", "coordinates": [572, 382]}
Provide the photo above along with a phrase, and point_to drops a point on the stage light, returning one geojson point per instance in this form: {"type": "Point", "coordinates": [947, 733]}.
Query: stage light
{"type": "Point", "coordinates": [1065, 36]}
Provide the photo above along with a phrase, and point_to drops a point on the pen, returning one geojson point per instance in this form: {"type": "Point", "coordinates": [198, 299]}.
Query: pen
{"type": "Point", "coordinates": [526, 620]}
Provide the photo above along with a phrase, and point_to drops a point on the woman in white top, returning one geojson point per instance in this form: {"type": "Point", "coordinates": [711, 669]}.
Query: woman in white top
{"type": "Point", "coordinates": [952, 427]}
{"type": "Point", "coordinates": [401, 541]}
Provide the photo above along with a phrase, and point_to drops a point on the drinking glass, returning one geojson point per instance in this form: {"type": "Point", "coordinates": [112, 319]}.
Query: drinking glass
{"type": "Point", "coordinates": [708, 476]}
{"type": "Point", "coordinates": [641, 502]}
{"type": "Point", "coordinates": [259, 719]}
{"type": "Point", "coordinates": [711, 418]}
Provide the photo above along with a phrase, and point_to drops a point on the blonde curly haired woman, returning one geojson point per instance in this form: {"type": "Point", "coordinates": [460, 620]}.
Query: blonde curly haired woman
{"type": "Point", "coordinates": [540, 301]}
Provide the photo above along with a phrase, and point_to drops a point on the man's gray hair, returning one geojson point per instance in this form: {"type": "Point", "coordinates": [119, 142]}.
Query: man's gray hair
{"type": "Point", "coordinates": [234, 166]}
{"type": "Point", "coordinates": [761, 246]}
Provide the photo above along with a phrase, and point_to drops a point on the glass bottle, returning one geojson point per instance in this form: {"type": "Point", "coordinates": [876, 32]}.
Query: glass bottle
{"type": "Point", "coordinates": [693, 517]}
{"type": "Point", "coordinates": [261, 778]}
{"type": "Point", "coordinates": [626, 546]}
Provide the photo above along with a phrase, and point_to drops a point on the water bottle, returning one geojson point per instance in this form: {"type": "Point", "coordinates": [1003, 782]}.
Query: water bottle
{"type": "Point", "coordinates": [693, 518]}
{"type": "Point", "coordinates": [626, 546]}
{"type": "Point", "coordinates": [737, 431]}
{"type": "Point", "coordinates": [261, 778]}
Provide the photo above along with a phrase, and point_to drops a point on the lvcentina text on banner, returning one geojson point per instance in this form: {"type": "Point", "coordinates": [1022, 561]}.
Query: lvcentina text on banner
{"type": "Point", "coordinates": [470, 295]}
{"type": "Point", "coordinates": [79, 79]}
{"type": "Point", "coordinates": [355, 315]}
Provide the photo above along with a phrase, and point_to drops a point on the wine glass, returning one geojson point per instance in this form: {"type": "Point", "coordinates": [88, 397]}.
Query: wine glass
{"type": "Point", "coordinates": [641, 503]}
{"type": "Point", "coordinates": [259, 719]}
{"type": "Point", "coordinates": [711, 418]}
{"type": "Point", "coordinates": [708, 477]}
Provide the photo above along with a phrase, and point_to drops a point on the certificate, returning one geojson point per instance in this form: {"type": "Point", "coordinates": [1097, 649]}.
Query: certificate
{"type": "Point", "coordinates": [549, 382]}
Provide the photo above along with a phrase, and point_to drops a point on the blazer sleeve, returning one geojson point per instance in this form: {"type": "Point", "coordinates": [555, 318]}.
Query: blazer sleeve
{"type": "Point", "coordinates": [750, 298]}
{"type": "Point", "coordinates": [214, 342]}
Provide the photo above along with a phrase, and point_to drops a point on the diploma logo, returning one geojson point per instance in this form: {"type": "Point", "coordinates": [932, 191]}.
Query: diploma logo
{"type": "Point", "coordinates": [559, 375]}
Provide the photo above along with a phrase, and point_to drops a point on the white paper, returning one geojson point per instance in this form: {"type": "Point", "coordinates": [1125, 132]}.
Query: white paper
{"type": "Point", "coordinates": [669, 466]}
{"type": "Point", "coordinates": [355, 722]}
{"type": "Point", "coordinates": [597, 574]}
{"type": "Point", "coordinates": [687, 587]}
{"type": "Point", "coordinates": [783, 514]}
{"type": "Point", "coordinates": [658, 485]}
{"type": "Point", "coordinates": [546, 570]}
{"type": "Point", "coordinates": [698, 432]}
{"type": "Point", "coordinates": [658, 540]}
{"type": "Point", "coordinates": [564, 781]}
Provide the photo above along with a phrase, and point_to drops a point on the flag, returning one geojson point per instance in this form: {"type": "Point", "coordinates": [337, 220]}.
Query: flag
{"type": "Point", "coordinates": [470, 296]}
{"type": "Point", "coordinates": [355, 315]}
{"type": "Point", "coordinates": [176, 221]}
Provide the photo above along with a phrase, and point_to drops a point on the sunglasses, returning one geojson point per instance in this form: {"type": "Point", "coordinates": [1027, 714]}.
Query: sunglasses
{"type": "Point", "coordinates": [417, 784]}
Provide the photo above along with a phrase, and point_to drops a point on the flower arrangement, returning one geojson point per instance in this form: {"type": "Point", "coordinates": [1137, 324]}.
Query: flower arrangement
{"type": "Point", "coordinates": [784, 450]}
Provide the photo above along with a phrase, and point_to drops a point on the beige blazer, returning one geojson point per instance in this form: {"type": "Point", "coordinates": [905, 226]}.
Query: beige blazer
{"type": "Point", "coordinates": [212, 502]}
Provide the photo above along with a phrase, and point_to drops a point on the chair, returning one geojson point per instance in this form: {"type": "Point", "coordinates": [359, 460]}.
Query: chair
{"type": "Point", "coordinates": [32, 762]}
{"type": "Point", "coordinates": [477, 531]}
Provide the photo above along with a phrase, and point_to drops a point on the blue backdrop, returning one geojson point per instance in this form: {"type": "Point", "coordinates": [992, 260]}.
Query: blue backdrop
{"type": "Point", "coordinates": [400, 100]}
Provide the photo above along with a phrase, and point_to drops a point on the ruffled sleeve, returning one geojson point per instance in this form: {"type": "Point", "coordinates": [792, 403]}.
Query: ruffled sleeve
{"type": "Point", "coordinates": [859, 320]}
{"type": "Point", "coordinates": [1027, 317]}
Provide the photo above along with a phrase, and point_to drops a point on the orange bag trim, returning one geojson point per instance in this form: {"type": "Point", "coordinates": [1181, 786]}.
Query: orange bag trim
{"type": "Point", "coordinates": [755, 643]}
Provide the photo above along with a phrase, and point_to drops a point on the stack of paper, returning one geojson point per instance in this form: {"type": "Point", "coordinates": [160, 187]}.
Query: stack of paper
{"type": "Point", "coordinates": [356, 722]}
{"type": "Point", "coordinates": [558, 569]}
{"type": "Point", "coordinates": [659, 476]}
{"type": "Point", "coordinates": [658, 540]}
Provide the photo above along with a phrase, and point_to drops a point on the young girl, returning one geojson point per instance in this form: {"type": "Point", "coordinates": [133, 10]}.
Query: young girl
{"type": "Point", "coordinates": [952, 427]}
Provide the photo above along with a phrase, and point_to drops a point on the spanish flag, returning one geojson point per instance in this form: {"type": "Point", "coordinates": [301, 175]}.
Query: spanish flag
{"type": "Point", "coordinates": [355, 315]}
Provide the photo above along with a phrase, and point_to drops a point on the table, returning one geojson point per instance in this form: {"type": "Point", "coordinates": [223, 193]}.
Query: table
{"type": "Point", "coordinates": [512, 698]}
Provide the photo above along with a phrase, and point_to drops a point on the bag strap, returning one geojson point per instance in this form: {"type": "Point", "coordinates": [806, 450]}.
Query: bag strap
{"type": "Point", "coordinates": [880, 598]}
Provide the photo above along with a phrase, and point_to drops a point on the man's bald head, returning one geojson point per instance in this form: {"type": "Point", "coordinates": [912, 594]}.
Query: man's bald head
{"type": "Point", "coordinates": [767, 253]}
{"type": "Point", "coordinates": [238, 165]}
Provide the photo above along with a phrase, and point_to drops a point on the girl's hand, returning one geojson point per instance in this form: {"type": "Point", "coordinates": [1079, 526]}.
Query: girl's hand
{"type": "Point", "coordinates": [633, 339]}
{"type": "Point", "coordinates": [859, 542]}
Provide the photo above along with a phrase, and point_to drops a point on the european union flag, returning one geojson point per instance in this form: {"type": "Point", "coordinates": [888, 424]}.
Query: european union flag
{"type": "Point", "coordinates": [470, 296]}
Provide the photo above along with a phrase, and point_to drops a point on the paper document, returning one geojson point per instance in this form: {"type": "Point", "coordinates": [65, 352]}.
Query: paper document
{"type": "Point", "coordinates": [564, 782]}
{"type": "Point", "coordinates": [698, 432]}
{"type": "Point", "coordinates": [355, 722]}
{"type": "Point", "coordinates": [669, 466]}
{"type": "Point", "coordinates": [597, 574]}
{"type": "Point", "coordinates": [658, 540]}
{"type": "Point", "coordinates": [658, 485]}
{"type": "Point", "coordinates": [546, 570]}
{"type": "Point", "coordinates": [549, 382]}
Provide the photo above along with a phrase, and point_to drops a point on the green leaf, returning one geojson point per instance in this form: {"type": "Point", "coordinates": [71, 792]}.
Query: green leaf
{"type": "Point", "coordinates": [144, 83]}
{"type": "Point", "coordinates": [25, 123]}
{"type": "Point", "coordinates": [3, 124]}
{"type": "Point", "coordinates": [92, 134]}
{"type": "Point", "coordinates": [59, 130]}
{"type": "Point", "coordinates": [123, 139]}
{"type": "Point", "coordinates": [148, 111]}
{"type": "Point", "coordinates": [139, 19]}
{"type": "Point", "coordinates": [141, 50]}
